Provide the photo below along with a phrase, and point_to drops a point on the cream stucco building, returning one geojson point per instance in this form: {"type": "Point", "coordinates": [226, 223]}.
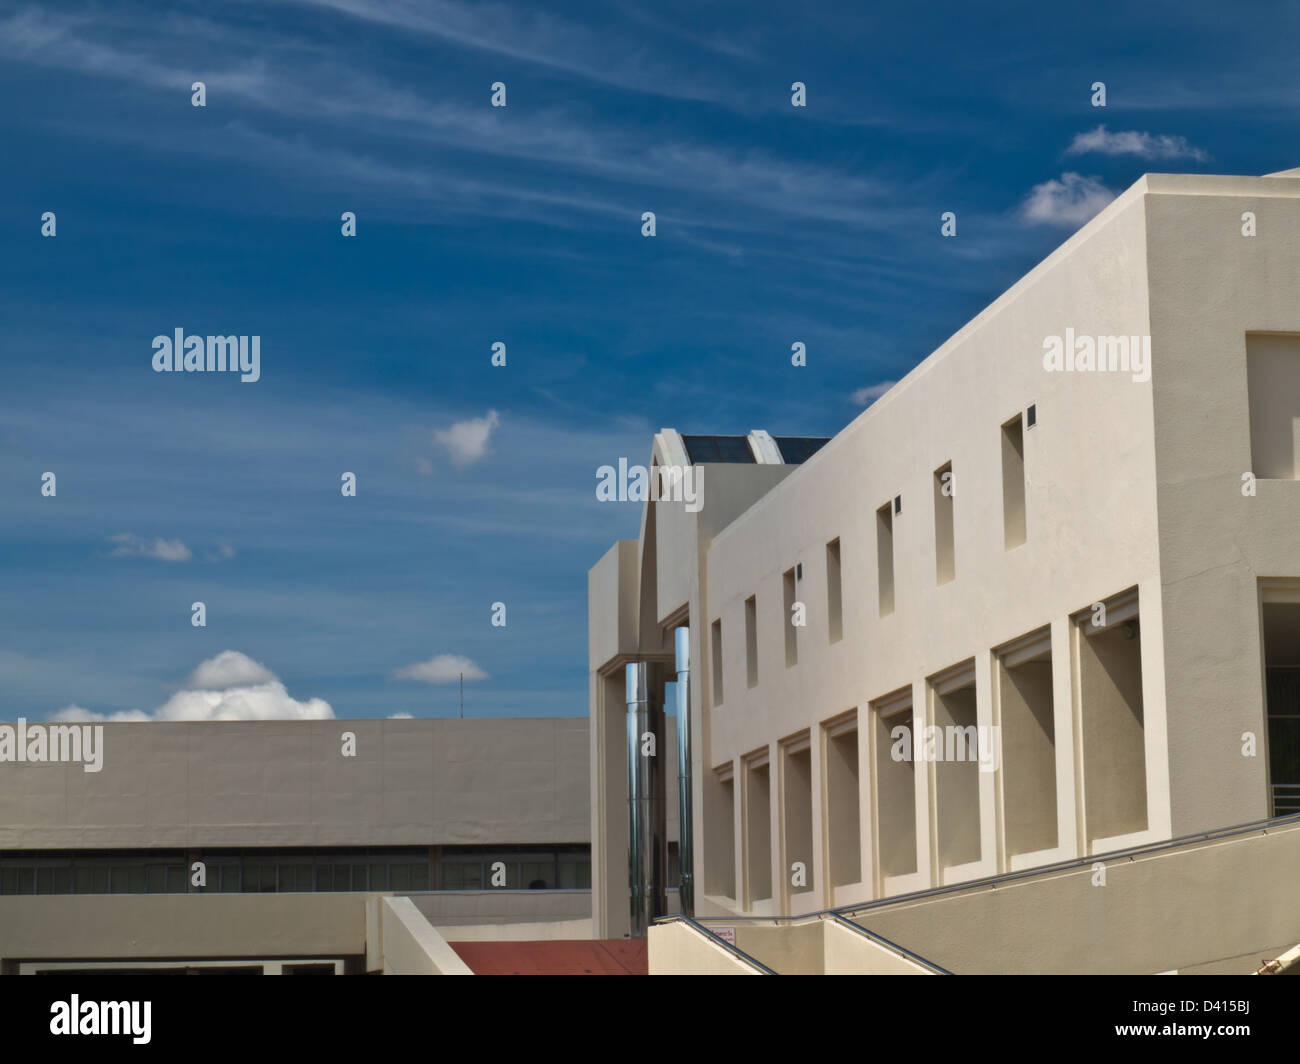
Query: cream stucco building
{"type": "Point", "coordinates": [1071, 534]}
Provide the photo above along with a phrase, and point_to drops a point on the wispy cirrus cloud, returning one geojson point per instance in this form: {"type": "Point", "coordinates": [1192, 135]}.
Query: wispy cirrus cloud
{"type": "Point", "coordinates": [712, 186]}
{"type": "Point", "coordinates": [129, 545]}
{"type": "Point", "coordinates": [535, 35]}
{"type": "Point", "coordinates": [1131, 142]}
{"type": "Point", "coordinates": [868, 395]}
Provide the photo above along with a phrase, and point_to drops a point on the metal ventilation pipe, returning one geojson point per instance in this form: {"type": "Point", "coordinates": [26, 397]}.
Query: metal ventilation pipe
{"type": "Point", "coordinates": [686, 844]}
{"type": "Point", "coordinates": [647, 807]}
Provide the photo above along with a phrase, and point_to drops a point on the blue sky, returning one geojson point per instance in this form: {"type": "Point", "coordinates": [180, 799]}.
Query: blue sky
{"type": "Point", "coordinates": [521, 224]}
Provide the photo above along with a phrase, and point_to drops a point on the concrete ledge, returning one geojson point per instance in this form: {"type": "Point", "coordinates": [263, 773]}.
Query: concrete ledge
{"type": "Point", "coordinates": [411, 945]}
{"type": "Point", "coordinates": [139, 926]}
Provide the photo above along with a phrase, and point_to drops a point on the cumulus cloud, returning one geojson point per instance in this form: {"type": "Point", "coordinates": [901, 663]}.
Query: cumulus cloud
{"type": "Point", "coordinates": [467, 441]}
{"type": "Point", "coordinates": [230, 668]}
{"type": "Point", "coordinates": [129, 545]}
{"type": "Point", "coordinates": [400, 716]}
{"type": "Point", "coordinates": [867, 396]}
{"type": "Point", "coordinates": [441, 668]}
{"type": "Point", "coordinates": [1070, 201]}
{"type": "Point", "coordinates": [230, 686]}
{"type": "Point", "coordinates": [268, 701]}
{"type": "Point", "coordinates": [1132, 142]}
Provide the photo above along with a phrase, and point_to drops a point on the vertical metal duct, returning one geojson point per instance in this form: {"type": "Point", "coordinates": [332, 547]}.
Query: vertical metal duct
{"type": "Point", "coordinates": [647, 808]}
{"type": "Point", "coordinates": [686, 843]}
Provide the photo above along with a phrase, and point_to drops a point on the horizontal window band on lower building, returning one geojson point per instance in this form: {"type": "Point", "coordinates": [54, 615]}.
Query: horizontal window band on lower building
{"type": "Point", "coordinates": [300, 870]}
{"type": "Point", "coordinates": [515, 868]}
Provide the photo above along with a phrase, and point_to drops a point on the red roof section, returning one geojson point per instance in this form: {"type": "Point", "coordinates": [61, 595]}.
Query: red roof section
{"type": "Point", "coordinates": [616, 956]}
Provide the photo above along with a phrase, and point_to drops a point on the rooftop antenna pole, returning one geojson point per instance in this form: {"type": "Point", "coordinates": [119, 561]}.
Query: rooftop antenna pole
{"type": "Point", "coordinates": [462, 696]}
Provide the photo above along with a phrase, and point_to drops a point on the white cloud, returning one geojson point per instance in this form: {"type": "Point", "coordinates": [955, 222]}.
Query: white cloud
{"type": "Point", "coordinates": [867, 396]}
{"type": "Point", "coordinates": [1070, 201]}
{"type": "Point", "coordinates": [400, 716]}
{"type": "Point", "coordinates": [467, 441]}
{"type": "Point", "coordinates": [230, 686]}
{"type": "Point", "coordinates": [1132, 142]}
{"type": "Point", "coordinates": [268, 701]}
{"type": "Point", "coordinates": [230, 668]}
{"type": "Point", "coordinates": [441, 668]}
{"type": "Point", "coordinates": [77, 713]}
{"type": "Point", "coordinates": [129, 545]}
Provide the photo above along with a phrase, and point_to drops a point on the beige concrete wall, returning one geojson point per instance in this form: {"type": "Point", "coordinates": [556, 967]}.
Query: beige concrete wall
{"type": "Point", "coordinates": [550, 930]}
{"type": "Point", "coordinates": [1210, 288]}
{"type": "Point", "coordinates": [678, 949]}
{"type": "Point", "coordinates": [788, 949]}
{"type": "Point", "coordinates": [390, 931]}
{"type": "Point", "coordinates": [612, 598]}
{"type": "Point", "coordinates": [846, 952]}
{"type": "Point", "coordinates": [125, 926]}
{"type": "Point", "coordinates": [1185, 908]}
{"type": "Point", "coordinates": [819, 946]}
{"type": "Point", "coordinates": [285, 783]}
{"type": "Point", "coordinates": [1088, 459]}
{"type": "Point", "coordinates": [411, 946]}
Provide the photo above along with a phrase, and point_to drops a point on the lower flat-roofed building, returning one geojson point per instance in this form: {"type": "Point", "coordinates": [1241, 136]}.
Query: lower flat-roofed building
{"type": "Point", "coordinates": [292, 847]}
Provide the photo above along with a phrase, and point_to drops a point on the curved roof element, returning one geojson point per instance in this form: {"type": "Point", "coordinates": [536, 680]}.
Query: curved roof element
{"type": "Point", "coordinates": [671, 448]}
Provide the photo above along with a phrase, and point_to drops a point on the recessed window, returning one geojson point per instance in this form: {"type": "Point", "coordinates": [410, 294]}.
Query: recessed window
{"type": "Point", "coordinates": [796, 787]}
{"type": "Point", "coordinates": [1273, 386]}
{"type": "Point", "coordinates": [1031, 416]}
{"type": "Point", "coordinates": [957, 765]}
{"type": "Point", "coordinates": [1109, 685]}
{"type": "Point", "coordinates": [717, 661]}
{"type": "Point", "coordinates": [843, 800]}
{"type": "Point", "coordinates": [791, 632]}
{"type": "Point", "coordinates": [720, 829]}
{"type": "Point", "coordinates": [834, 604]}
{"type": "Point", "coordinates": [945, 560]}
{"type": "Point", "coordinates": [1028, 734]}
{"type": "Point", "coordinates": [1013, 482]}
{"type": "Point", "coordinates": [885, 559]}
{"type": "Point", "coordinates": [758, 832]}
{"type": "Point", "coordinates": [751, 641]}
{"type": "Point", "coordinates": [894, 785]}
